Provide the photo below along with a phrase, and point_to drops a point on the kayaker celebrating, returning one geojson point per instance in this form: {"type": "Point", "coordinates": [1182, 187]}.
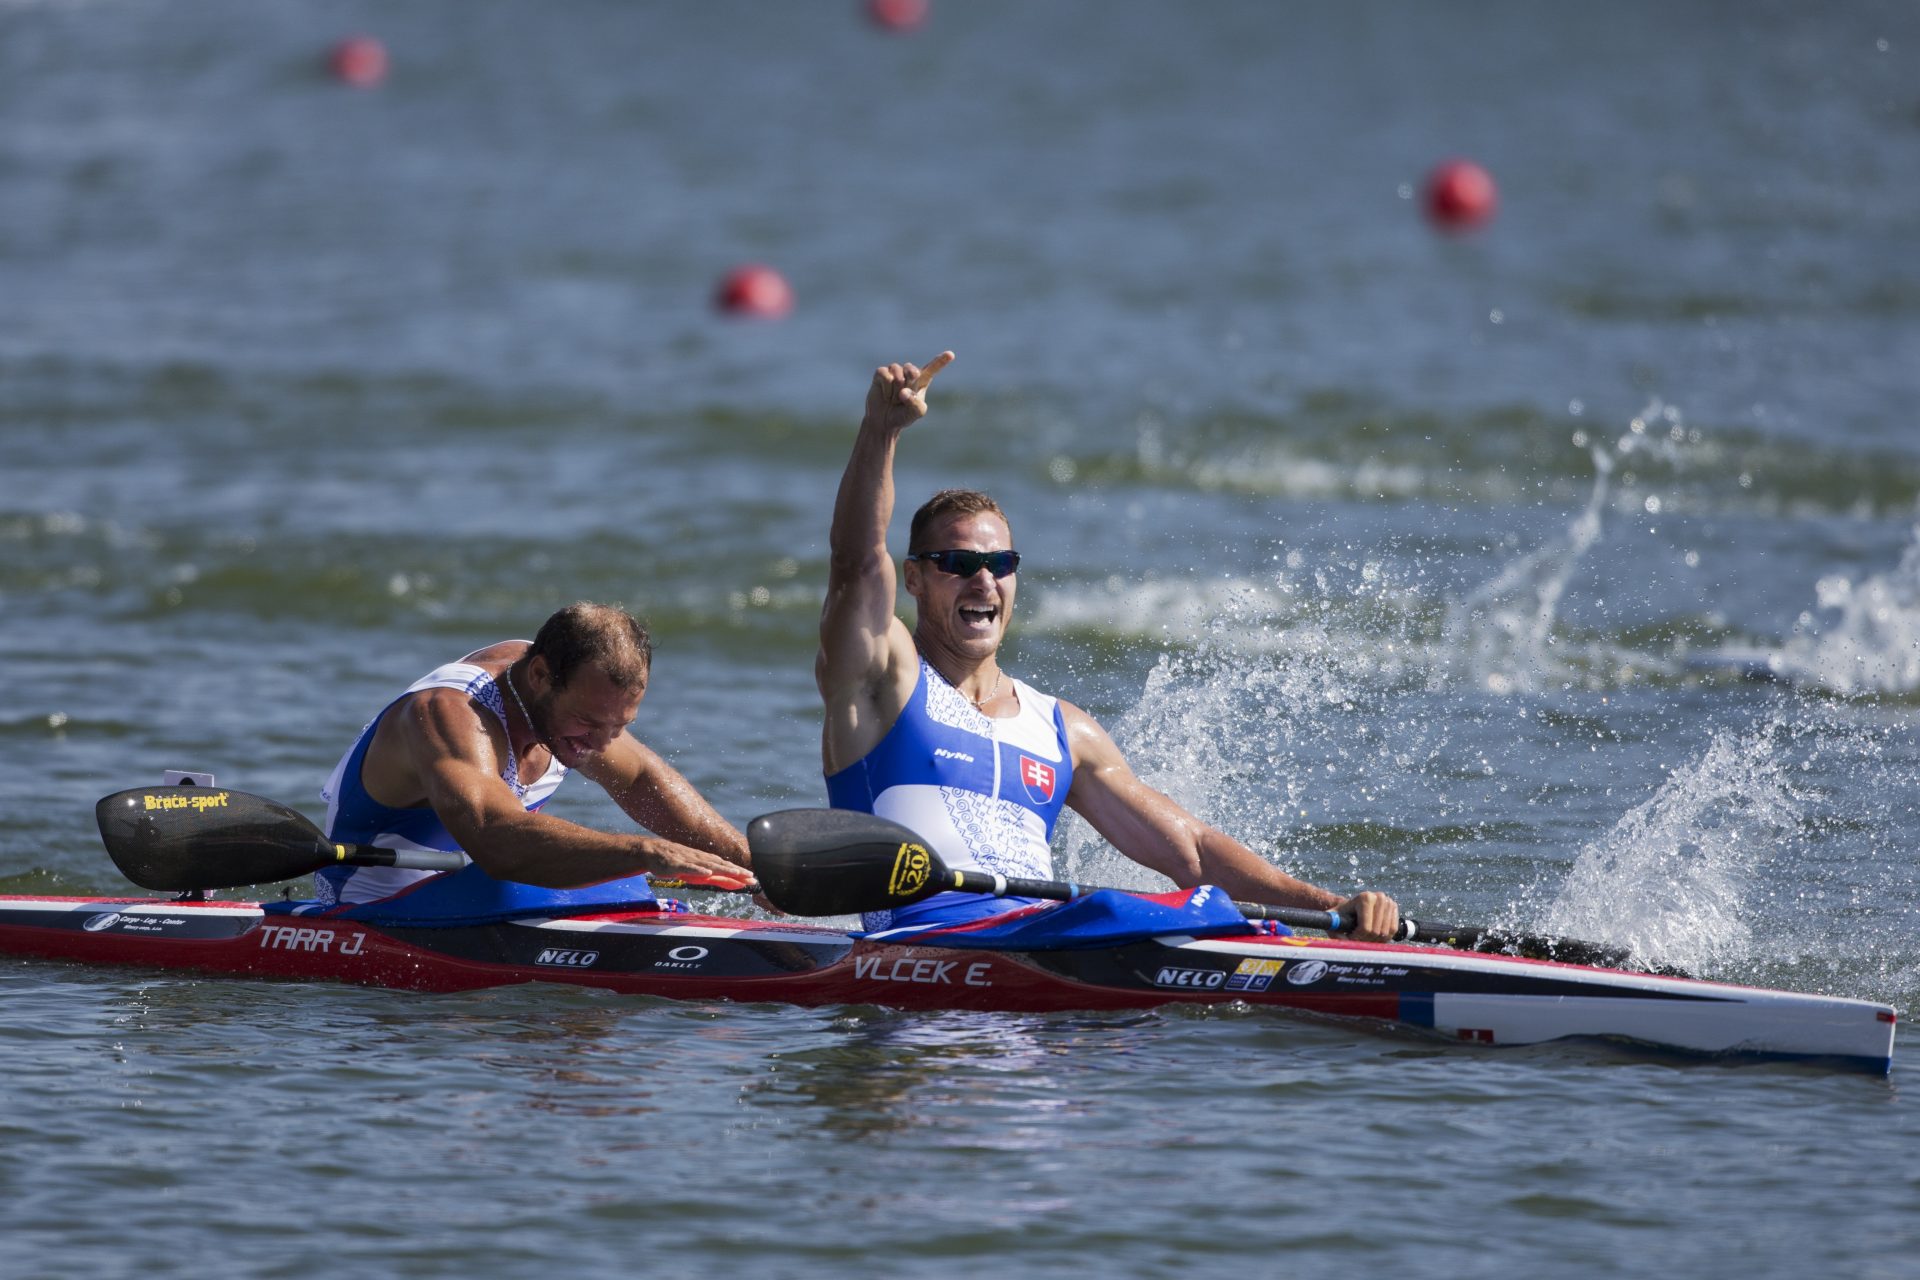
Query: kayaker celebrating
{"type": "Point", "coordinates": [925, 727]}
{"type": "Point", "coordinates": [466, 757]}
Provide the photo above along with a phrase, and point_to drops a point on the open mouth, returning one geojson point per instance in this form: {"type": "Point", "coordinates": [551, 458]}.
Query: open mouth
{"type": "Point", "coordinates": [979, 615]}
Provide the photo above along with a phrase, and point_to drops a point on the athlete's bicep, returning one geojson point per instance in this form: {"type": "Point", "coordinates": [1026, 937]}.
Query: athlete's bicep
{"type": "Point", "coordinates": [860, 636]}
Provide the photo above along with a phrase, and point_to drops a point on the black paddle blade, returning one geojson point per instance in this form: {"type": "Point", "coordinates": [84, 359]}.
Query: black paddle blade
{"type": "Point", "coordinates": [179, 838]}
{"type": "Point", "coordinates": [1533, 946]}
{"type": "Point", "coordinates": [830, 862]}
{"type": "Point", "coordinates": [1565, 950]}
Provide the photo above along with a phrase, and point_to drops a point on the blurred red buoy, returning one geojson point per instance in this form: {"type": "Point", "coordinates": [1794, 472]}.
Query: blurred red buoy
{"type": "Point", "coordinates": [756, 291]}
{"type": "Point", "coordinates": [360, 61]}
{"type": "Point", "coordinates": [1460, 195]}
{"type": "Point", "coordinates": [897, 15]}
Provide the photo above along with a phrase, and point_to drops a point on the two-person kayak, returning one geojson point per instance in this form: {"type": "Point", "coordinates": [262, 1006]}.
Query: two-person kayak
{"type": "Point", "coordinates": [1461, 996]}
{"type": "Point", "coordinates": [1099, 950]}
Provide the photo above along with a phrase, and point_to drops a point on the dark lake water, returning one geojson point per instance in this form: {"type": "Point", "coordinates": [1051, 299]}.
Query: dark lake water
{"type": "Point", "coordinates": [1437, 564]}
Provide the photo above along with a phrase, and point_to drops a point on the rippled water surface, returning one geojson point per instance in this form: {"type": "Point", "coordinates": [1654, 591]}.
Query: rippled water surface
{"type": "Point", "coordinates": [1565, 574]}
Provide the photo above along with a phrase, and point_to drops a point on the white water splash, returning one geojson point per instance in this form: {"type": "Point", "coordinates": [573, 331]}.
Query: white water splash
{"type": "Point", "coordinates": [1874, 644]}
{"type": "Point", "coordinates": [1505, 636]}
{"type": "Point", "coordinates": [1504, 631]}
{"type": "Point", "coordinates": [1658, 432]}
{"type": "Point", "coordinates": [1354, 617]}
{"type": "Point", "coordinates": [1673, 880]}
{"type": "Point", "coordinates": [1231, 736]}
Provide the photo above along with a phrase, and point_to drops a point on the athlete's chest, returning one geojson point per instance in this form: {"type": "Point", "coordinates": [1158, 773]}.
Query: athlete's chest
{"type": "Point", "coordinates": [1017, 758]}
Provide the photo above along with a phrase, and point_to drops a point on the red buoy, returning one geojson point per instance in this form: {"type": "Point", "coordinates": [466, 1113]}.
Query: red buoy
{"type": "Point", "coordinates": [897, 15]}
{"type": "Point", "coordinates": [754, 290]}
{"type": "Point", "coordinates": [1460, 195]}
{"type": "Point", "coordinates": [360, 61]}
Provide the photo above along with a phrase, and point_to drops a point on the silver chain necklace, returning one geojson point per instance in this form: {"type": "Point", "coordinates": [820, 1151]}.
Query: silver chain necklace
{"type": "Point", "coordinates": [524, 713]}
{"type": "Point", "coordinates": [989, 696]}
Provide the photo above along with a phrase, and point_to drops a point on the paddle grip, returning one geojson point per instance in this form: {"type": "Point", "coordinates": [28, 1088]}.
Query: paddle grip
{"type": "Point", "coordinates": [1461, 937]}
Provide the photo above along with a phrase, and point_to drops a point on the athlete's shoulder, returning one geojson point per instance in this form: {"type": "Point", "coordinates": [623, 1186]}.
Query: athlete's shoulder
{"type": "Point", "coordinates": [472, 673]}
{"type": "Point", "coordinates": [500, 651]}
{"type": "Point", "coordinates": [1088, 740]}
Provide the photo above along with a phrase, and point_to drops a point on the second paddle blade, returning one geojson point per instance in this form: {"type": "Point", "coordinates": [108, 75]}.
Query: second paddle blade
{"type": "Point", "coordinates": [830, 862]}
{"type": "Point", "coordinates": [180, 838]}
{"type": "Point", "coordinates": [1531, 946]}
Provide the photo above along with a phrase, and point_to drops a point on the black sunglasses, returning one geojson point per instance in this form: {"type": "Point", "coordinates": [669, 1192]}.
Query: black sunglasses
{"type": "Point", "coordinates": [964, 564]}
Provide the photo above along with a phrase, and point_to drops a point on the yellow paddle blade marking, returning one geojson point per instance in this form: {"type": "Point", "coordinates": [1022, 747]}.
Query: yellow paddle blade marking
{"type": "Point", "coordinates": [912, 865]}
{"type": "Point", "coordinates": [198, 803]}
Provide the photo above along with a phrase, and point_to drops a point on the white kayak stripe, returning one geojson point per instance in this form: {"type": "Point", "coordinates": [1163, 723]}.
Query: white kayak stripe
{"type": "Point", "coordinates": [130, 907]}
{"type": "Point", "coordinates": [568, 924]}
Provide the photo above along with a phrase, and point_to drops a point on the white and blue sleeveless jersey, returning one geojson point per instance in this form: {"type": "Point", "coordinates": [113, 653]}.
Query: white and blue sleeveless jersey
{"type": "Point", "coordinates": [983, 792]}
{"type": "Point", "coordinates": [354, 817]}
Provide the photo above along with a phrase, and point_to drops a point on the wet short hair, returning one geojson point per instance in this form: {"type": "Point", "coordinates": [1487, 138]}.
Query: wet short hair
{"type": "Point", "coordinates": [950, 502]}
{"type": "Point", "coordinates": [595, 635]}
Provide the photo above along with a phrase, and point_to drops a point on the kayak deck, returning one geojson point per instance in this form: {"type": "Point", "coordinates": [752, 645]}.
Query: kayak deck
{"type": "Point", "coordinates": [1463, 996]}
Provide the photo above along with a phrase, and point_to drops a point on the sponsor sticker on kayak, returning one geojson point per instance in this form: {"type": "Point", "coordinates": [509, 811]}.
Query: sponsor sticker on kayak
{"type": "Point", "coordinates": [132, 922]}
{"type": "Point", "coordinates": [1190, 979]}
{"type": "Point", "coordinates": [1307, 971]}
{"type": "Point", "coordinates": [1253, 975]}
{"type": "Point", "coordinates": [1304, 973]}
{"type": "Point", "coordinates": [566, 958]}
{"type": "Point", "coordinates": [683, 957]}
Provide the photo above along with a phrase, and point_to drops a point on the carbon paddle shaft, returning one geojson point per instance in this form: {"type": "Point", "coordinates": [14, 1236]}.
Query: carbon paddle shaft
{"type": "Point", "coordinates": [1462, 937]}
{"type": "Point", "coordinates": [1062, 890]}
{"type": "Point", "coordinates": [829, 861]}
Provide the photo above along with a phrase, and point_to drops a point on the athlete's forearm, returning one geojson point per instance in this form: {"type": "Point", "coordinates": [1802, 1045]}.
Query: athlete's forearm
{"type": "Point", "coordinates": [539, 849]}
{"type": "Point", "coordinates": [863, 507]}
{"type": "Point", "coordinates": [552, 853]}
{"type": "Point", "coordinates": [678, 812]}
{"type": "Point", "coordinates": [1245, 875]}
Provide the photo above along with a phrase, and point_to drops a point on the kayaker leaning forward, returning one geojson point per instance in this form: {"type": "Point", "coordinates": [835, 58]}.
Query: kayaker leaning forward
{"type": "Point", "coordinates": [466, 757]}
{"type": "Point", "coordinates": [926, 728]}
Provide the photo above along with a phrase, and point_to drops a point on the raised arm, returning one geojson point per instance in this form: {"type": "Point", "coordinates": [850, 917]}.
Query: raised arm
{"type": "Point", "coordinates": [865, 667]}
{"type": "Point", "coordinates": [455, 757]}
{"type": "Point", "coordinates": [1149, 827]}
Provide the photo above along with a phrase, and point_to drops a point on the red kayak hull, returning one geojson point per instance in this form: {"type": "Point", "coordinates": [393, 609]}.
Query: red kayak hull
{"type": "Point", "coordinates": [1469, 997]}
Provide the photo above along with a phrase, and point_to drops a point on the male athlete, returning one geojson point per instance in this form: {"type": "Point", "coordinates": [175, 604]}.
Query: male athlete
{"type": "Point", "coordinates": [466, 757]}
{"type": "Point", "coordinates": [924, 727]}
